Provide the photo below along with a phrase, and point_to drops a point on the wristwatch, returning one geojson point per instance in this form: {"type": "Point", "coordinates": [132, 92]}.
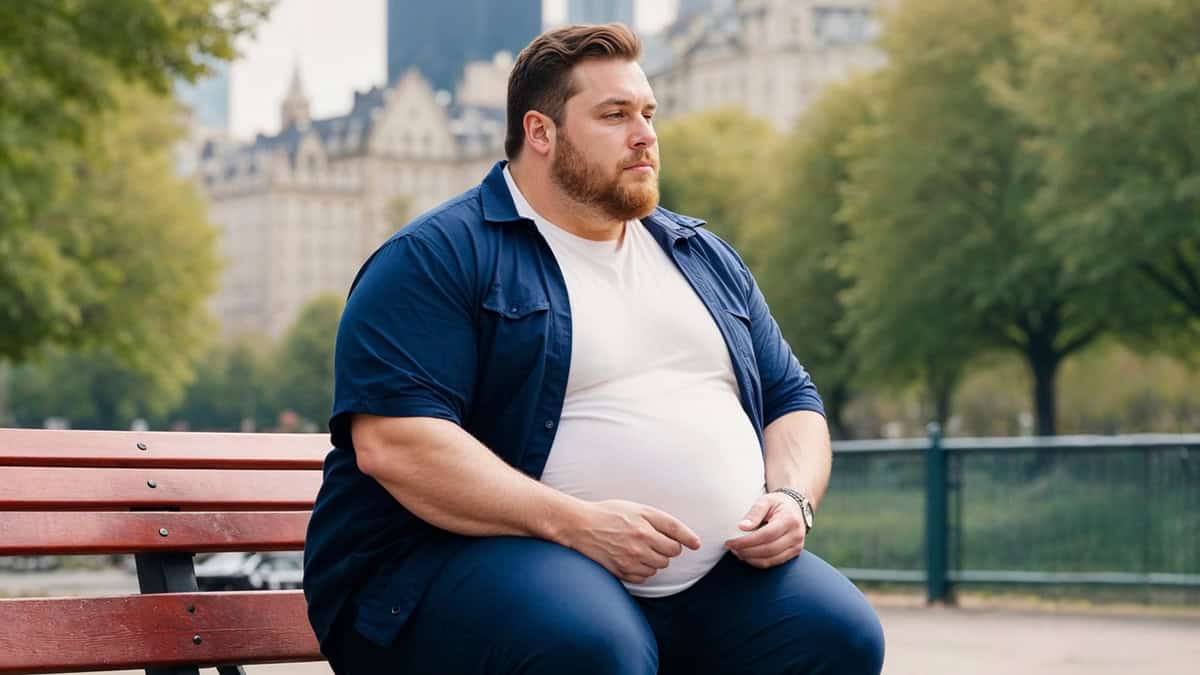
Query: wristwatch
{"type": "Point", "coordinates": [806, 508]}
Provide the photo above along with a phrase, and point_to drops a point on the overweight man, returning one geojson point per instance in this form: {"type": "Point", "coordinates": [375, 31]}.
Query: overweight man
{"type": "Point", "coordinates": [568, 435]}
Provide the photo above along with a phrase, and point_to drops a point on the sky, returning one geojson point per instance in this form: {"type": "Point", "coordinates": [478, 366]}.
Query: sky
{"type": "Point", "coordinates": [340, 48]}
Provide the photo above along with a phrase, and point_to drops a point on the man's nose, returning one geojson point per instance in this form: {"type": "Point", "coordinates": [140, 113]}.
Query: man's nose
{"type": "Point", "coordinates": [643, 135]}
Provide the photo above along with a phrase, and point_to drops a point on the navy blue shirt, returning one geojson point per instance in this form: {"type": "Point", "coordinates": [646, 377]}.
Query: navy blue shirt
{"type": "Point", "coordinates": [463, 315]}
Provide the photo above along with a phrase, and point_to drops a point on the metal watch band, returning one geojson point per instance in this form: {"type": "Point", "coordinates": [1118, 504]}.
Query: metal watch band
{"type": "Point", "coordinates": [801, 500]}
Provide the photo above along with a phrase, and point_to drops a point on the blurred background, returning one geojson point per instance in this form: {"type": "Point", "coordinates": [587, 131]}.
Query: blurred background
{"type": "Point", "coordinates": [977, 223]}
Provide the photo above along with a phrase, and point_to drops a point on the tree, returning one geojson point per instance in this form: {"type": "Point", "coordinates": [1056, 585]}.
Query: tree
{"type": "Point", "coordinates": [304, 362]}
{"type": "Point", "coordinates": [232, 390]}
{"type": "Point", "coordinates": [1111, 90]}
{"type": "Point", "coordinates": [801, 269]}
{"type": "Point", "coordinates": [96, 241]}
{"type": "Point", "coordinates": [945, 256]}
{"type": "Point", "coordinates": [717, 166]}
{"type": "Point", "coordinates": [92, 390]}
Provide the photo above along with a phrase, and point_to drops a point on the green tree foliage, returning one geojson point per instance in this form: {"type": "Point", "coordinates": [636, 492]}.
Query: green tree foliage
{"type": "Point", "coordinates": [93, 390]}
{"type": "Point", "coordinates": [98, 245]}
{"type": "Point", "coordinates": [303, 364]}
{"type": "Point", "coordinates": [801, 256]}
{"type": "Point", "coordinates": [945, 254]}
{"type": "Point", "coordinates": [1112, 90]}
{"type": "Point", "coordinates": [232, 390]}
{"type": "Point", "coordinates": [717, 166]}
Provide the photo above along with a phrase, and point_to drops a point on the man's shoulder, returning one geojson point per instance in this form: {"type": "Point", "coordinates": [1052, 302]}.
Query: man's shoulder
{"type": "Point", "coordinates": [454, 222]}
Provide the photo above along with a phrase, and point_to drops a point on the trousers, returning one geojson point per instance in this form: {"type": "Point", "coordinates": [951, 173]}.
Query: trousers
{"type": "Point", "coordinates": [519, 605]}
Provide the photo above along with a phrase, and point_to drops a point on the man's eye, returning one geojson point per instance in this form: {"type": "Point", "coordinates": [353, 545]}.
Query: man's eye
{"type": "Point", "coordinates": [614, 115]}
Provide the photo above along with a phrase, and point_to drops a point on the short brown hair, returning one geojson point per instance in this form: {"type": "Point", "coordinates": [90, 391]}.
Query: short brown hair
{"type": "Point", "coordinates": [541, 77]}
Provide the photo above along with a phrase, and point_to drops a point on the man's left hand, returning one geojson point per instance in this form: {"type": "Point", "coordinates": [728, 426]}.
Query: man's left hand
{"type": "Point", "coordinates": [777, 532]}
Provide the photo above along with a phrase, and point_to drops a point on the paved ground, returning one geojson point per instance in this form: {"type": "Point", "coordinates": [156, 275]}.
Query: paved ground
{"type": "Point", "coordinates": [920, 640]}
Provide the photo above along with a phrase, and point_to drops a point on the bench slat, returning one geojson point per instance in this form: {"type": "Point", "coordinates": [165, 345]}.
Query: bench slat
{"type": "Point", "coordinates": [45, 488]}
{"type": "Point", "coordinates": [42, 447]}
{"type": "Point", "coordinates": [76, 634]}
{"type": "Point", "coordinates": [58, 533]}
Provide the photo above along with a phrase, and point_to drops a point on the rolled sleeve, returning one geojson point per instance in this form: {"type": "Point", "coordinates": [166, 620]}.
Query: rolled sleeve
{"type": "Point", "coordinates": [787, 386]}
{"type": "Point", "coordinates": [406, 342]}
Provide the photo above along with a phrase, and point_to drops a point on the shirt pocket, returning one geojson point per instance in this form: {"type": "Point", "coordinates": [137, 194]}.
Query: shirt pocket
{"type": "Point", "coordinates": [514, 302]}
{"type": "Point", "coordinates": [514, 331]}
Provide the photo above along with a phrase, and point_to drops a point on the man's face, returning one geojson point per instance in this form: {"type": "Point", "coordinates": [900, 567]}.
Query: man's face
{"type": "Point", "coordinates": [606, 151]}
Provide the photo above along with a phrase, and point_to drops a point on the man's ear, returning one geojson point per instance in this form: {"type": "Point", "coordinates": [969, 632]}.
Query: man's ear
{"type": "Point", "coordinates": [540, 132]}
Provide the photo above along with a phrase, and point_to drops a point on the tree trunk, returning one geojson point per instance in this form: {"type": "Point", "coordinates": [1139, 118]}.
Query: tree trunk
{"type": "Point", "coordinates": [835, 403]}
{"type": "Point", "coordinates": [1043, 364]}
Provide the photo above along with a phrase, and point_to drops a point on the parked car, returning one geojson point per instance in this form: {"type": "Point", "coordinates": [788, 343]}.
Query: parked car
{"type": "Point", "coordinates": [250, 571]}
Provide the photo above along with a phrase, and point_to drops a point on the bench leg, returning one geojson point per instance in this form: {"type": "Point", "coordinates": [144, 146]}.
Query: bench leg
{"type": "Point", "coordinates": [230, 670]}
{"type": "Point", "coordinates": [167, 573]}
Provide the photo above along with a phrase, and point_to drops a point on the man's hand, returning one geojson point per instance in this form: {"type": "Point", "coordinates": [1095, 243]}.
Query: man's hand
{"type": "Point", "coordinates": [632, 541]}
{"type": "Point", "coordinates": [776, 529]}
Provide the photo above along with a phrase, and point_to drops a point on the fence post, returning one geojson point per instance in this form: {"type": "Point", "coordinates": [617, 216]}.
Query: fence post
{"type": "Point", "coordinates": [937, 525]}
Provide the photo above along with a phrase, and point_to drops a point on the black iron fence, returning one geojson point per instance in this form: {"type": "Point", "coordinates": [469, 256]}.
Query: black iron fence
{"type": "Point", "coordinates": [1118, 511]}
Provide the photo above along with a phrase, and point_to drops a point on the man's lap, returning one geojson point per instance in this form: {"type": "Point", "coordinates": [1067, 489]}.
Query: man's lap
{"type": "Point", "coordinates": [510, 604]}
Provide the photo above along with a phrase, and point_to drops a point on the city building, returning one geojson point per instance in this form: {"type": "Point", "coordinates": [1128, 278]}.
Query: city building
{"type": "Point", "coordinates": [440, 38]}
{"type": "Point", "coordinates": [770, 57]}
{"type": "Point", "coordinates": [299, 211]}
{"type": "Point", "coordinates": [600, 11]}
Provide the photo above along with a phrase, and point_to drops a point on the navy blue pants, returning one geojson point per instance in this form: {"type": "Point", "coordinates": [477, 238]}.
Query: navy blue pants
{"type": "Point", "coordinates": [518, 605]}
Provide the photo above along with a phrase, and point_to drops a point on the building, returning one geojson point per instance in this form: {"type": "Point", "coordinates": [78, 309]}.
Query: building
{"type": "Point", "coordinates": [600, 11]}
{"type": "Point", "coordinates": [299, 211]}
{"type": "Point", "coordinates": [207, 109]}
{"type": "Point", "coordinates": [689, 8]}
{"type": "Point", "coordinates": [770, 57]}
{"type": "Point", "coordinates": [208, 97]}
{"type": "Point", "coordinates": [440, 38]}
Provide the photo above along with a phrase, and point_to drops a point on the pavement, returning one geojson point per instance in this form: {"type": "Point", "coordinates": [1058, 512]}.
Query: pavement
{"type": "Point", "coordinates": [920, 640]}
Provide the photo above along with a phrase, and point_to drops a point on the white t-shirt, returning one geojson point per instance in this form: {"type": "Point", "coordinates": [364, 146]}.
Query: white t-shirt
{"type": "Point", "coordinates": [652, 413]}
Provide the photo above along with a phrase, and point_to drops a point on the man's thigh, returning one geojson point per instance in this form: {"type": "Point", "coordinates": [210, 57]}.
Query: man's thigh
{"type": "Point", "coordinates": [802, 617]}
{"type": "Point", "coordinates": [515, 605]}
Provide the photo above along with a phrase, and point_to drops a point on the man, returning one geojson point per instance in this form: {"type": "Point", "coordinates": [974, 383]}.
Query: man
{"type": "Point", "coordinates": [569, 437]}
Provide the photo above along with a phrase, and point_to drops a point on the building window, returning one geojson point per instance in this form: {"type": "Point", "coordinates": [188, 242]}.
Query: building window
{"type": "Point", "coordinates": [844, 25]}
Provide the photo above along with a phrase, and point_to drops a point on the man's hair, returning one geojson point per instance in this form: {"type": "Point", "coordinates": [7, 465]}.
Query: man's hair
{"type": "Point", "coordinates": [541, 77]}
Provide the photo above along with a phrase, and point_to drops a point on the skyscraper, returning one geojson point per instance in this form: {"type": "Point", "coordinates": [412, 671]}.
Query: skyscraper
{"type": "Point", "coordinates": [690, 7]}
{"type": "Point", "coordinates": [438, 38]}
{"type": "Point", "coordinates": [208, 97]}
{"type": "Point", "coordinates": [600, 11]}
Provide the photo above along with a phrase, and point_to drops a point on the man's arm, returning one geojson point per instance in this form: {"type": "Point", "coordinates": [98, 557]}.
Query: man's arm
{"type": "Point", "coordinates": [446, 477]}
{"type": "Point", "coordinates": [798, 454]}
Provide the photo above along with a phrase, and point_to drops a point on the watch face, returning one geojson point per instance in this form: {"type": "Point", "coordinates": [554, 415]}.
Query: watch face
{"type": "Point", "coordinates": [808, 515]}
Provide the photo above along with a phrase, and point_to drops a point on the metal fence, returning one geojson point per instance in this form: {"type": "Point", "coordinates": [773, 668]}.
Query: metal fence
{"type": "Point", "coordinates": [1092, 511]}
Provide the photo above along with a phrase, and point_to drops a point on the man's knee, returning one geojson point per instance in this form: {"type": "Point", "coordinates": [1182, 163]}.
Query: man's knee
{"type": "Point", "coordinates": [855, 645]}
{"type": "Point", "coordinates": [594, 647]}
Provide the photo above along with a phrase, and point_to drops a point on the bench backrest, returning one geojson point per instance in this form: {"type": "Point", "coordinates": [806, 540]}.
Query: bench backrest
{"type": "Point", "coordinates": [162, 496]}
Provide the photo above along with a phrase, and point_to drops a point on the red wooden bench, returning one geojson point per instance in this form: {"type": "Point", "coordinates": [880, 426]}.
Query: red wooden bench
{"type": "Point", "coordinates": [164, 497]}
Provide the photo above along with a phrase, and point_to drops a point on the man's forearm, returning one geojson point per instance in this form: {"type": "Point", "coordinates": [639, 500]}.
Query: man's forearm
{"type": "Point", "coordinates": [448, 478]}
{"type": "Point", "coordinates": [798, 454]}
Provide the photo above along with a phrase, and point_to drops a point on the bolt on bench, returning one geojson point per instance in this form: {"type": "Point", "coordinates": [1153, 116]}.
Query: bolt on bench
{"type": "Point", "coordinates": [162, 496]}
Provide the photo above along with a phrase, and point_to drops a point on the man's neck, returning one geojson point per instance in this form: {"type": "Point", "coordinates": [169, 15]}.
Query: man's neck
{"type": "Point", "coordinates": [581, 220]}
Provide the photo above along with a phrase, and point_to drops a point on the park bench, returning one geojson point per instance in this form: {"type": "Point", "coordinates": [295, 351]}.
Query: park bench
{"type": "Point", "coordinates": [162, 496]}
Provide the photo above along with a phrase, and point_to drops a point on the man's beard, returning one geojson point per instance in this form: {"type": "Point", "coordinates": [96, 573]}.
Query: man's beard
{"type": "Point", "coordinates": [587, 184]}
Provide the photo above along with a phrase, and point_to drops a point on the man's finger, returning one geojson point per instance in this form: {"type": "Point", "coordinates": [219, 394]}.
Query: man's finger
{"type": "Point", "coordinates": [768, 533]}
{"type": "Point", "coordinates": [673, 528]}
{"type": "Point", "coordinates": [769, 549]}
{"type": "Point", "coordinates": [755, 515]}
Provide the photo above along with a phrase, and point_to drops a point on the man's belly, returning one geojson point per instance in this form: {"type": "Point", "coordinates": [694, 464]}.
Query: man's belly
{"type": "Point", "coordinates": [697, 459]}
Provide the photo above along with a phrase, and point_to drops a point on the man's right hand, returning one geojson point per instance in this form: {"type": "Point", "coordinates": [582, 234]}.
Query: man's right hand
{"type": "Point", "coordinates": [632, 541]}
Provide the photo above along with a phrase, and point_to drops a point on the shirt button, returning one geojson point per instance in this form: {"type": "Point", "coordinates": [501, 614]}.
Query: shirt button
{"type": "Point", "coordinates": [395, 609]}
{"type": "Point", "coordinates": [549, 424]}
